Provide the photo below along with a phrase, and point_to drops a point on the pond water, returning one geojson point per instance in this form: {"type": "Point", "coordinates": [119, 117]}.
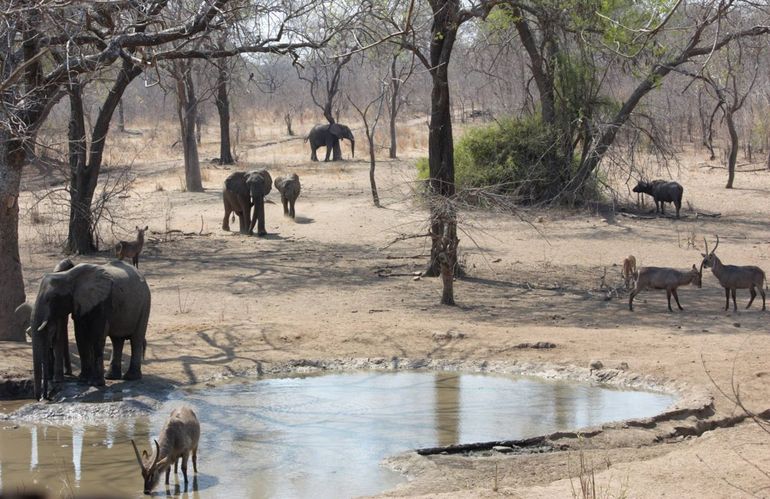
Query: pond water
{"type": "Point", "coordinates": [312, 436]}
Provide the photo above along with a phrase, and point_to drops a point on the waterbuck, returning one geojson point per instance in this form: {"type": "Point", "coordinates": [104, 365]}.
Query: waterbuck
{"type": "Point", "coordinates": [664, 278]}
{"type": "Point", "coordinates": [178, 439]}
{"type": "Point", "coordinates": [733, 277]}
{"type": "Point", "coordinates": [131, 249]}
{"type": "Point", "coordinates": [662, 192]}
{"type": "Point", "coordinates": [629, 271]}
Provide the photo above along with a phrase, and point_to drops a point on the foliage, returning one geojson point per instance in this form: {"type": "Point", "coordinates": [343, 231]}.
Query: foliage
{"type": "Point", "coordinates": [512, 156]}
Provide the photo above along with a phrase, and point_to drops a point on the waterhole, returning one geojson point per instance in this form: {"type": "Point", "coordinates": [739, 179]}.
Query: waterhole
{"type": "Point", "coordinates": [310, 436]}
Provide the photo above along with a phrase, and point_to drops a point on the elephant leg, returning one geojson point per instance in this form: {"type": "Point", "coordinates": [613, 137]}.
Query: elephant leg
{"type": "Point", "coordinates": [337, 156]}
{"type": "Point", "coordinates": [98, 377]}
{"type": "Point", "coordinates": [753, 295]}
{"type": "Point", "coordinates": [285, 203]}
{"type": "Point", "coordinates": [135, 367]}
{"type": "Point", "coordinates": [329, 148]}
{"type": "Point", "coordinates": [117, 357]}
{"type": "Point", "coordinates": [84, 350]}
{"type": "Point", "coordinates": [313, 155]}
{"type": "Point", "coordinates": [226, 220]}
{"type": "Point", "coordinates": [245, 215]}
{"type": "Point", "coordinates": [66, 348]}
{"type": "Point", "coordinates": [195, 460]}
{"type": "Point", "coordinates": [291, 208]}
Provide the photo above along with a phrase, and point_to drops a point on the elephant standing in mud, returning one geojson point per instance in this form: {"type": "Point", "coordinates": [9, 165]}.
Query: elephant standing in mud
{"type": "Point", "coordinates": [105, 300]}
{"type": "Point", "coordinates": [330, 137]}
{"type": "Point", "coordinates": [243, 190]}
{"type": "Point", "coordinates": [289, 187]}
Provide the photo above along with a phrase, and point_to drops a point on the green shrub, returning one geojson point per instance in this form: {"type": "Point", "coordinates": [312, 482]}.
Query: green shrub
{"type": "Point", "coordinates": [520, 156]}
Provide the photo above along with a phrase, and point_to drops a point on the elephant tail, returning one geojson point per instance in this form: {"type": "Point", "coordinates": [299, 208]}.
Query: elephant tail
{"type": "Point", "coordinates": [306, 138]}
{"type": "Point", "coordinates": [144, 348]}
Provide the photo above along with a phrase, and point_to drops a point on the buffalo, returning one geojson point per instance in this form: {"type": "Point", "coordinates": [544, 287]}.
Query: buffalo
{"type": "Point", "coordinates": [662, 192]}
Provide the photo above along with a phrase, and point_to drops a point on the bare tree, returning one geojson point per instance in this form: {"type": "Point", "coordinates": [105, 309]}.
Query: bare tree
{"type": "Point", "coordinates": [370, 127]}
{"type": "Point", "coordinates": [324, 77]}
{"type": "Point", "coordinates": [42, 54]}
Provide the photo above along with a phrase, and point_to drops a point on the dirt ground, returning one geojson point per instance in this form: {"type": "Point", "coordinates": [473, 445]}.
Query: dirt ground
{"type": "Point", "coordinates": [337, 282]}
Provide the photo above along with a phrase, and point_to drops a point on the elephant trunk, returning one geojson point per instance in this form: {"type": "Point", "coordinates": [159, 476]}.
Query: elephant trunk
{"type": "Point", "coordinates": [352, 148]}
{"type": "Point", "coordinates": [39, 358]}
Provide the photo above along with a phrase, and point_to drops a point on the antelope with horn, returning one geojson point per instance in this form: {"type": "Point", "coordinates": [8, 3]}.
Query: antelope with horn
{"type": "Point", "coordinates": [733, 277]}
{"type": "Point", "coordinates": [178, 439]}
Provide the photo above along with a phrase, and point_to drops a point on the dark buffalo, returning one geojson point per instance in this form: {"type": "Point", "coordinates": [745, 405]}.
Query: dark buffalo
{"type": "Point", "coordinates": [662, 192]}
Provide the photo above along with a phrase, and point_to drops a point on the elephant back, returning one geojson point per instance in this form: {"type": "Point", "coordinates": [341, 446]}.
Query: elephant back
{"type": "Point", "coordinates": [236, 183]}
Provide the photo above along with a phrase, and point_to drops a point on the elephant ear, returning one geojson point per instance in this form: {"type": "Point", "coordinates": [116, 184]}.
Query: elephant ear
{"type": "Point", "coordinates": [236, 183]}
{"type": "Point", "coordinates": [23, 315]}
{"type": "Point", "coordinates": [336, 129]}
{"type": "Point", "coordinates": [91, 286]}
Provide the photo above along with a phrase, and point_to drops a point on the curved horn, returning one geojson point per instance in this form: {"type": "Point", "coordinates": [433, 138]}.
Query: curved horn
{"type": "Point", "coordinates": [706, 244]}
{"type": "Point", "coordinates": [138, 457]}
{"type": "Point", "coordinates": [157, 454]}
{"type": "Point", "coordinates": [42, 326]}
{"type": "Point", "coordinates": [717, 244]}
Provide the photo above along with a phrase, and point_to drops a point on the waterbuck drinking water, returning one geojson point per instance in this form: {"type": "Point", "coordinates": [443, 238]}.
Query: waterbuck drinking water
{"type": "Point", "coordinates": [664, 278]}
{"type": "Point", "coordinates": [733, 277]}
{"type": "Point", "coordinates": [178, 439]}
{"type": "Point", "coordinates": [662, 192]}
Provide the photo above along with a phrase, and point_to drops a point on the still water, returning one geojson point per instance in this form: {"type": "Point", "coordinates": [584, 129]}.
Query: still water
{"type": "Point", "coordinates": [313, 436]}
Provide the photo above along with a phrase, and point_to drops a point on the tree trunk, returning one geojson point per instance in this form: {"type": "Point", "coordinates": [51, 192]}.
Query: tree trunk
{"type": "Point", "coordinates": [12, 158]}
{"type": "Point", "coordinates": [440, 142]}
{"type": "Point", "coordinates": [732, 159]}
{"type": "Point", "coordinates": [223, 107]}
{"type": "Point", "coordinates": [121, 117]}
{"type": "Point", "coordinates": [80, 237]}
{"type": "Point", "coordinates": [395, 87]}
{"type": "Point", "coordinates": [287, 120]}
{"type": "Point", "coordinates": [84, 178]}
{"type": "Point", "coordinates": [372, 164]}
{"type": "Point", "coordinates": [187, 107]}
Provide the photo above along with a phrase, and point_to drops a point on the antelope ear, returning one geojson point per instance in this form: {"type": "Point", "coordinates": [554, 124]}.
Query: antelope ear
{"type": "Point", "coordinates": [694, 267]}
{"type": "Point", "coordinates": [92, 285]}
{"type": "Point", "coordinates": [704, 255]}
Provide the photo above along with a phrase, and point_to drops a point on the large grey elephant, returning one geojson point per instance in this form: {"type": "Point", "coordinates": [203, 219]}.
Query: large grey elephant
{"type": "Point", "coordinates": [329, 136]}
{"type": "Point", "coordinates": [243, 190]}
{"type": "Point", "coordinates": [289, 187]}
{"type": "Point", "coordinates": [105, 300]}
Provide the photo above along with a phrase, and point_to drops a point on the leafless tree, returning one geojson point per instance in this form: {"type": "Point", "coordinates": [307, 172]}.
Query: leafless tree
{"type": "Point", "coordinates": [370, 128]}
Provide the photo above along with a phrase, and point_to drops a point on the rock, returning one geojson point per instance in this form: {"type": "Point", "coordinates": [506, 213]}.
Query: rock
{"type": "Point", "coordinates": [416, 278]}
{"type": "Point", "coordinates": [595, 365]}
{"type": "Point", "coordinates": [737, 324]}
{"type": "Point", "coordinates": [502, 449]}
{"type": "Point", "coordinates": [623, 366]}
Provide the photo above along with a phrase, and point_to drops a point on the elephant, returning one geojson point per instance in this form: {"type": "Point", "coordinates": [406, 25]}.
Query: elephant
{"type": "Point", "coordinates": [59, 352]}
{"type": "Point", "coordinates": [289, 188]}
{"type": "Point", "coordinates": [242, 191]}
{"type": "Point", "coordinates": [105, 300]}
{"type": "Point", "coordinates": [330, 136]}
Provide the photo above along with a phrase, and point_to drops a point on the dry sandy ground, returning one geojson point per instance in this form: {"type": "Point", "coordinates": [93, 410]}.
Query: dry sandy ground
{"type": "Point", "coordinates": [313, 289]}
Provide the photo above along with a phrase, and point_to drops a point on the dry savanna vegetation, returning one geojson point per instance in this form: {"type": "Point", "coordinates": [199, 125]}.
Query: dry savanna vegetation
{"type": "Point", "coordinates": [487, 211]}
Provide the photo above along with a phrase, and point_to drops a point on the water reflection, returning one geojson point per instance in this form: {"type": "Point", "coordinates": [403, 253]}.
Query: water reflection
{"type": "Point", "coordinates": [318, 436]}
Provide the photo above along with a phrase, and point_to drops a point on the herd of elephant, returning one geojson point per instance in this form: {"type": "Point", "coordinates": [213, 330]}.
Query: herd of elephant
{"type": "Point", "coordinates": [114, 300]}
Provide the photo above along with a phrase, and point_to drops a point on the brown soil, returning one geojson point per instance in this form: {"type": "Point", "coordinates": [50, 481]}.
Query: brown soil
{"type": "Point", "coordinates": [331, 285]}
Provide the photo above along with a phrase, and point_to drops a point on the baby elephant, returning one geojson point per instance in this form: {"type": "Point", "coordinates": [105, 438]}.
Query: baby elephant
{"type": "Point", "coordinates": [178, 439]}
{"type": "Point", "coordinates": [289, 188]}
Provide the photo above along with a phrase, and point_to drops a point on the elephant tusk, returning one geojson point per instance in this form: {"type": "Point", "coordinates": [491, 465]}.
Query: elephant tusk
{"type": "Point", "coordinates": [29, 332]}
{"type": "Point", "coordinates": [42, 326]}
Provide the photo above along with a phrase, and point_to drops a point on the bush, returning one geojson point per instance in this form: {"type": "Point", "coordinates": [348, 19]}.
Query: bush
{"type": "Point", "coordinates": [523, 157]}
{"type": "Point", "coordinates": [520, 156]}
